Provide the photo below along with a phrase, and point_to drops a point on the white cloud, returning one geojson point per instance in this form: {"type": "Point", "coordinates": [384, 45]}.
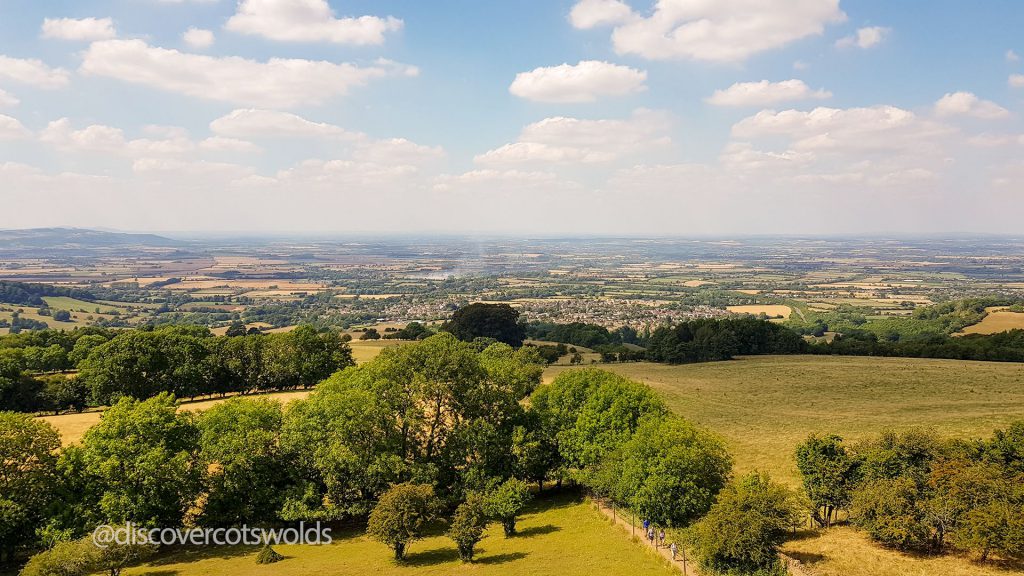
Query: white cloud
{"type": "Point", "coordinates": [8, 100]}
{"type": "Point", "coordinates": [33, 72]}
{"type": "Point", "coordinates": [967, 104]}
{"type": "Point", "coordinates": [189, 171]}
{"type": "Point", "coordinates": [875, 129]}
{"type": "Point", "coordinates": [574, 140]}
{"type": "Point", "coordinates": [592, 13]}
{"type": "Point", "coordinates": [222, 144]}
{"type": "Point", "coordinates": [501, 181]}
{"type": "Point", "coordinates": [1012, 56]}
{"type": "Point", "coordinates": [87, 29]}
{"type": "Point", "coordinates": [1016, 80]}
{"type": "Point", "coordinates": [98, 138]}
{"type": "Point", "coordinates": [864, 38]}
{"type": "Point", "coordinates": [714, 31]}
{"type": "Point", "coordinates": [255, 123]}
{"type": "Point", "coordinates": [12, 129]}
{"type": "Point", "coordinates": [276, 83]}
{"type": "Point", "coordinates": [308, 21]}
{"type": "Point", "coordinates": [198, 38]}
{"type": "Point", "coordinates": [765, 93]}
{"type": "Point", "coordinates": [583, 82]}
{"type": "Point", "coordinates": [397, 151]}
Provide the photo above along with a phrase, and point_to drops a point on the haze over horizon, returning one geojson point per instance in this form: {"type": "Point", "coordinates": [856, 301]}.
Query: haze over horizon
{"type": "Point", "coordinates": [594, 117]}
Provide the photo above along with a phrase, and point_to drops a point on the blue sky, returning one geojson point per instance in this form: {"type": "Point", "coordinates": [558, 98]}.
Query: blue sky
{"type": "Point", "coordinates": [689, 117]}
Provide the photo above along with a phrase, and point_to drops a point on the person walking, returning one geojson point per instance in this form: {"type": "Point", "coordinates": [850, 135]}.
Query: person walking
{"type": "Point", "coordinates": [661, 536]}
{"type": "Point", "coordinates": [674, 549]}
{"type": "Point", "coordinates": [650, 536]}
{"type": "Point", "coordinates": [646, 523]}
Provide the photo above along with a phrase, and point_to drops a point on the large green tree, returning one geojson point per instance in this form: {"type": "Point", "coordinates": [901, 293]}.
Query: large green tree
{"type": "Point", "coordinates": [830, 472]}
{"type": "Point", "coordinates": [28, 478]}
{"type": "Point", "coordinates": [479, 320]}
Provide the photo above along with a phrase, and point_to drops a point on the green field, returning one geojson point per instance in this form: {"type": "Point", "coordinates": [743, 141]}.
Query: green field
{"type": "Point", "coordinates": [558, 537]}
{"type": "Point", "coordinates": [74, 304]}
{"type": "Point", "coordinates": [763, 406]}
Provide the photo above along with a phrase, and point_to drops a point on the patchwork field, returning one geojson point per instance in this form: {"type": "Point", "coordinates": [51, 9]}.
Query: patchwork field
{"type": "Point", "coordinates": [558, 537]}
{"type": "Point", "coordinates": [770, 310]}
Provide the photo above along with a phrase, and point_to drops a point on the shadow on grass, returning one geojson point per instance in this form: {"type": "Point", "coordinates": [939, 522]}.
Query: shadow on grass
{"type": "Point", "coordinates": [431, 557]}
{"type": "Point", "coordinates": [536, 531]}
{"type": "Point", "coordinates": [807, 557]}
{"type": "Point", "coordinates": [500, 558]}
{"type": "Point", "coordinates": [183, 555]}
{"type": "Point", "coordinates": [160, 573]}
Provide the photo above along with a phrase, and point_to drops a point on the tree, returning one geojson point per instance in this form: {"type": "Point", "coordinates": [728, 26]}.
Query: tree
{"type": "Point", "coordinates": [746, 526]}
{"type": "Point", "coordinates": [829, 472]}
{"type": "Point", "coordinates": [370, 334]}
{"type": "Point", "coordinates": [139, 464]}
{"type": "Point", "coordinates": [240, 446]}
{"type": "Point", "coordinates": [28, 477]}
{"type": "Point", "coordinates": [401, 515]}
{"type": "Point", "coordinates": [590, 412]}
{"type": "Point", "coordinates": [62, 316]}
{"type": "Point", "coordinates": [669, 471]}
{"type": "Point", "coordinates": [506, 502]}
{"type": "Point", "coordinates": [237, 328]}
{"type": "Point", "coordinates": [468, 525]}
{"type": "Point", "coordinates": [892, 511]}
{"type": "Point", "coordinates": [498, 321]}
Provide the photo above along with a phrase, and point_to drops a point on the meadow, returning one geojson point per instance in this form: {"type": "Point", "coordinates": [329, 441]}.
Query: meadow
{"type": "Point", "coordinates": [558, 536]}
{"type": "Point", "coordinates": [997, 320]}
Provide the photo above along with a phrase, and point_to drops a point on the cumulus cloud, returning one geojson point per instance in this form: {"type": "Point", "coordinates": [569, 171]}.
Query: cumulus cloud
{"type": "Point", "coordinates": [8, 100]}
{"type": "Point", "coordinates": [33, 72]}
{"type": "Point", "coordinates": [573, 140]}
{"type": "Point", "coordinates": [223, 144]}
{"type": "Point", "coordinates": [86, 29]}
{"type": "Point", "coordinates": [592, 13]}
{"type": "Point", "coordinates": [308, 21]}
{"type": "Point", "coordinates": [864, 38]}
{"type": "Point", "coordinates": [765, 93]}
{"type": "Point", "coordinates": [1012, 56]}
{"type": "Point", "coordinates": [582, 82]}
{"type": "Point", "coordinates": [12, 129]}
{"type": "Point", "coordinates": [99, 138]}
{"type": "Point", "coordinates": [967, 104]}
{"type": "Point", "coordinates": [397, 151]}
{"type": "Point", "coordinates": [198, 38]}
{"type": "Point", "coordinates": [878, 128]}
{"type": "Point", "coordinates": [278, 82]}
{"type": "Point", "coordinates": [720, 31]}
{"type": "Point", "coordinates": [1016, 80]}
{"type": "Point", "coordinates": [255, 123]}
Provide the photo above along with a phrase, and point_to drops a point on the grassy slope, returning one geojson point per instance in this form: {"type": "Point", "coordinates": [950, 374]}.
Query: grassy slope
{"type": "Point", "coordinates": [559, 537]}
{"type": "Point", "coordinates": [764, 406]}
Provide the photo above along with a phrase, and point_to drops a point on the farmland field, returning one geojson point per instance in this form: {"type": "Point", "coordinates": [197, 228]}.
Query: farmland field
{"type": "Point", "coordinates": [558, 537]}
{"type": "Point", "coordinates": [997, 321]}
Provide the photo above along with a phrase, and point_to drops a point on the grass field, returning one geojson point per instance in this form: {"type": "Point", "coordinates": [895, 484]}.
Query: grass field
{"type": "Point", "coordinates": [73, 304]}
{"type": "Point", "coordinates": [996, 321]}
{"type": "Point", "coordinates": [771, 310]}
{"type": "Point", "coordinates": [558, 537]}
{"type": "Point", "coordinates": [763, 406]}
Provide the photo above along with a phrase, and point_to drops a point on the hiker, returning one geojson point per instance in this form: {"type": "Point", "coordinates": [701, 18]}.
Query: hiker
{"type": "Point", "coordinates": [646, 523]}
{"type": "Point", "coordinates": [650, 536]}
{"type": "Point", "coordinates": [661, 536]}
{"type": "Point", "coordinates": [674, 549]}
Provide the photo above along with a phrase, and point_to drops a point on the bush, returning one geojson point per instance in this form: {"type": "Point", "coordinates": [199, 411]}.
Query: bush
{"type": "Point", "coordinates": [468, 524]}
{"type": "Point", "coordinates": [401, 516]}
{"type": "Point", "coordinates": [506, 502]}
{"type": "Point", "coordinates": [743, 530]}
{"type": "Point", "coordinates": [268, 555]}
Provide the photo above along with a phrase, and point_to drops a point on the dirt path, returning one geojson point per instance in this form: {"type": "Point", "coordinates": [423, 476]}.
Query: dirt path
{"type": "Point", "coordinates": [687, 567]}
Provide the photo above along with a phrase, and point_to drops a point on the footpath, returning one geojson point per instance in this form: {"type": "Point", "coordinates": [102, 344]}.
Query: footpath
{"type": "Point", "coordinates": [686, 566]}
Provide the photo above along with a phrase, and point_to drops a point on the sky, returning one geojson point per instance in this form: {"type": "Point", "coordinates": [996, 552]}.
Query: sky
{"type": "Point", "coordinates": [543, 117]}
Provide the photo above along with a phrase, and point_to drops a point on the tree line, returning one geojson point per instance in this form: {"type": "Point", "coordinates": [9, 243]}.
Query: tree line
{"type": "Point", "coordinates": [187, 361]}
{"type": "Point", "coordinates": [915, 491]}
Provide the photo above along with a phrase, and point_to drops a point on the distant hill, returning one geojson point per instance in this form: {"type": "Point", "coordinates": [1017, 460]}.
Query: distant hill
{"type": "Point", "coordinates": [72, 238]}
